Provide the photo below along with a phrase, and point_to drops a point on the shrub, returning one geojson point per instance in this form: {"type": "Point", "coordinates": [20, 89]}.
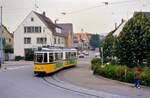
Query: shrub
{"type": "Point", "coordinates": [29, 54]}
{"type": "Point", "coordinates": [145, 77]}
{"type": "Point", "coordinates": [17, 58]}
{"type": "Point", "coordinates": [129, 77]}
{"type": "Point", "coordinates": [121, 73]}
{"type": "Point", "coordinates": [96, 62]}
{"type": "Point", "coordinates": [111, 71]}
{"type": "Point", "coordinates": [100, 71]}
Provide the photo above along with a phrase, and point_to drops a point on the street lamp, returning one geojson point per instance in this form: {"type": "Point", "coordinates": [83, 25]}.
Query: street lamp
{"type": "Point", "coordinates": [1, 39]}
{"type": "Point", "coordinates": [102, 58]}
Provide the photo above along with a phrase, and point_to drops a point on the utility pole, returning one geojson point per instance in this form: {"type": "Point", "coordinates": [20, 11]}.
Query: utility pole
{"type": "Point", "coordinates": [1, 39]}
{"type": "Point", "coordinates": [102, 58]}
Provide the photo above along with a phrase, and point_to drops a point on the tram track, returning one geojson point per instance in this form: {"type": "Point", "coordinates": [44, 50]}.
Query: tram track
{"type": "Point", "coordinates": [55, 82]}
{"type": "Point", "coordinates": [52, 79]}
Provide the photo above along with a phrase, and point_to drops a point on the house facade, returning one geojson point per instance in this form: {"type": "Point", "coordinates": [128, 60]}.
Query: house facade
{"type": "Point", "coordinates": [67, 30]}
{"type": "Point", "coordinates": [35, 31]}
{"type": "Point", "coordinates": [81, 40]}
{"type": "Point", "coordinates": [7, 39]}
{"type": "Point", "coordinates": [7, 36]}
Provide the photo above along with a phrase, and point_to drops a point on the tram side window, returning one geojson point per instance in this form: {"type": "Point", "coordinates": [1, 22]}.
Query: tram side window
{"type": "Point", "coordinates": [72, 55]}
{"type": "Point", "coordinates": [56, 57]}
{"type": "Point", "coordinates": [75, 54]}
{"type": "Point", "coordinates": [67, 55]}
{"type": "Point", "coordinates": [51, 57]}
{"type": "Point", "coordinates": [61, 55]}
{"type": "Point", "coordinates": [45, 57]}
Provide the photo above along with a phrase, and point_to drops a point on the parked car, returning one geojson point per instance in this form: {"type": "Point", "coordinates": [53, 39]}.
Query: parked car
{"type": "Point", "coordinates": [81, 55]}
{"type": "Point", "coordinates": [85, 52]}
{"type": "Point", "coordinates": [97, 55]}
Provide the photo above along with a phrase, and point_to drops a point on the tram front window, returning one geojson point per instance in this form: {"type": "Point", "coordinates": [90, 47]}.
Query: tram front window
{"type": "Point", "coordinates": [45, 57]}
{"type": "Point", "coordinates": [39, 58]}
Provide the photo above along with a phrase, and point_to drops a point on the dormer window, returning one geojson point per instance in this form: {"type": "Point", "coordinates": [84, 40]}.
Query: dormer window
{"type": "Point", "coordinates": [32, 19]}
{"type": "Point", "coordinates": [58, 30]}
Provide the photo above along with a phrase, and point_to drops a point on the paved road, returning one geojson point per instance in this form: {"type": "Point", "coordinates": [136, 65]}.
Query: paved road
{"type": "Point", "coordinates": [82, 76]}
{"type": "Point", "coordinates": [19, 82]}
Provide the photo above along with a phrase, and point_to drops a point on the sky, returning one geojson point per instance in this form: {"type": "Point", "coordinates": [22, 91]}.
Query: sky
{"type": "Point", "coordinates": [93, 16]}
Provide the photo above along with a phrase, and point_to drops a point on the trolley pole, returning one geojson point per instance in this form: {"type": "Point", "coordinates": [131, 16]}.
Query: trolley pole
{"type": "Point", "coordinates": [1, 39]}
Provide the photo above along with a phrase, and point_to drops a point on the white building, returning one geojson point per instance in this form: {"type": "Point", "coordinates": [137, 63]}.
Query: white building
{"type": "Point", "coordinates": [37, 30]}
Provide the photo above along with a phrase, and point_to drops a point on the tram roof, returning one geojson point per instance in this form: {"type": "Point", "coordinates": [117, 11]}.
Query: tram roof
{"type": "Point", "coordinates": [69, 49]}
{"type": "Point", "coordinates": [55, 49]}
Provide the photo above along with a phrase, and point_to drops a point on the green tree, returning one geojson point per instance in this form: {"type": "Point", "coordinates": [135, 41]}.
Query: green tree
{"type": "Point", "coordinates": [95, 40]}
{"type": "Point", "coordinates": [8, 48]}
{"type": "Point", "coordinates": [108, 47]}
{"type": "Point", "coordinates": [132, 44]}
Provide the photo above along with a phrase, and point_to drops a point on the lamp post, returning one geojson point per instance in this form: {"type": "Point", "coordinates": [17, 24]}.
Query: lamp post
{"type": "Point", "coordinates": [102, 58]}
{"type": "Point", "coordinates": [1, 39]}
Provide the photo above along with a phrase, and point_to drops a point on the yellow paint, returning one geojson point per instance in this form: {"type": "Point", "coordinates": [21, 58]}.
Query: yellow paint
{"type": "Point", "coordinates": [47, 68]}
{"type": "Point", "coordinates": [65, 63]}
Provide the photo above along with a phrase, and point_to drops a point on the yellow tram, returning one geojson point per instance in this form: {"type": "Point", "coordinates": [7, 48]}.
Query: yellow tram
{"type": "Point", "coordinates": [49, 60]}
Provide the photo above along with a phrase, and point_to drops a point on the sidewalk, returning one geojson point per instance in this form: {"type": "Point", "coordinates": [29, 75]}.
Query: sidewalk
{"type": "Point", "coordinates": [11, 64]}
{"type": "Point", "coordinates": [83, 76]}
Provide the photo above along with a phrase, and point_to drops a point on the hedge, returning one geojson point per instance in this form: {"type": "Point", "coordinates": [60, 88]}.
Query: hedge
{"type": "Point", "coordinates": [119, 72]}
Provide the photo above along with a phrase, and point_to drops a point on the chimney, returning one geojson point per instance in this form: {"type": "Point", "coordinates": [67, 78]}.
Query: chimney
{"type": "Point", "coordinates": [44, 13]}
{"type": "Point", "coordinates": [56, 21]}
{"type": "Point", "coordinates": [115, 25]}
{"type": "Point", "coordinates": [122, 20]}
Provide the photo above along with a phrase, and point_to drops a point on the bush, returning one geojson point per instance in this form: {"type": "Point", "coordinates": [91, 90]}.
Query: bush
{"type": "Point", "coordinates": [121, 73]}
{"type": "Point", "coordinates": [111, 71]}
{"type": "Point", "coordinates": [96, 62]}
{"type": "Point", "coordinates": [129, 77]}
{"type": "Point", "coordinates": [145, 77]}
{"type": "Point", "coordinates": [17, 58]}
{"type": "Point", "coordinates": [29, 54]}
{"type": "Point", "coordinates": [100, 71]}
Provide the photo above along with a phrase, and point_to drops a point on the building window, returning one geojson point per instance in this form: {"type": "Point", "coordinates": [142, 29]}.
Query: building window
{"type": "Point", "coordinates": [41, 40]}
{"type": "Point", "coordinates": [9, 40]}
{"type": "Point", "coordinates": [27, 40]}
{"type": "Point", "coordinates": [32, 29]}
{"type": "Point", "coordinates": [58, 40]}
{"type": "Point", "coordinates": [54, 40]}
{"type": "Point", "coordinates": [58, 30]}
{"type": "Point", "coordinates": [62, 41]}
{"type": "Point", "coordinates": [32, 19]}
{"type": "Point", "coordinates": [29, 29]}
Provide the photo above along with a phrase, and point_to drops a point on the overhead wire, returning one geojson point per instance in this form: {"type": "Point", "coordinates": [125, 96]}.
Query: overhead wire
{"type": "Point", "coordinates": [93, 7]}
